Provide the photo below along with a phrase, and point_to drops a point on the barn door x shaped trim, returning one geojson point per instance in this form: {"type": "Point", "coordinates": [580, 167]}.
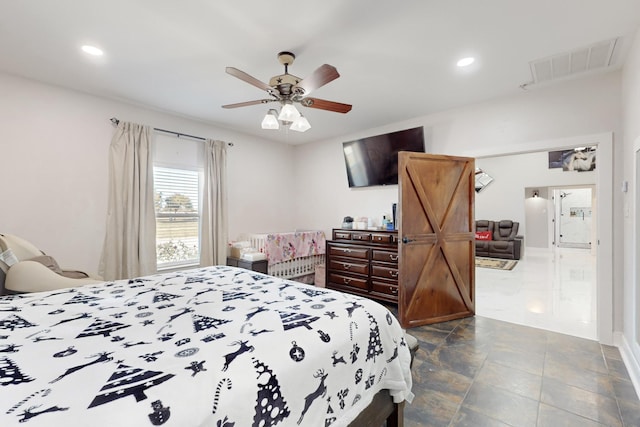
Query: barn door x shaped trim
{"type": "Point", "coordinates": [444, 193]}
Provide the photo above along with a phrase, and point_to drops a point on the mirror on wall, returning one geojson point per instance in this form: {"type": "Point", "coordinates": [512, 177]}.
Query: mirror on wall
{"type": "Point", "coordinates": [482, 180]}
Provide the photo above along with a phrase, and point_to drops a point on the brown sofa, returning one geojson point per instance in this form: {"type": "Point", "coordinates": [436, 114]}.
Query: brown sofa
{"type": "Point", "coordinates": [505, 241]}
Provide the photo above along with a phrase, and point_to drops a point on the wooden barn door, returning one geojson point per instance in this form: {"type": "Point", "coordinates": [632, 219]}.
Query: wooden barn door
{"type": "Point", "coordinates": [436, 233]}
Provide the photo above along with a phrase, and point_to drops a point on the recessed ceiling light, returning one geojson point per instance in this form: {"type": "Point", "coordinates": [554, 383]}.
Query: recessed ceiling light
{"type": "Point", "coordinates": [465, 62]}
{"type": "Point", "coordinates": [92, 50]}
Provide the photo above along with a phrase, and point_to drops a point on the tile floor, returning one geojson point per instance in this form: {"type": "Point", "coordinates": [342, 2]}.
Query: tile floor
{"type": "Point", "coordinates": [550, 289]}
{"type": "Point", "coordinates": [494, 370]}
{"type": "Point", "coordinates": [478, 372]}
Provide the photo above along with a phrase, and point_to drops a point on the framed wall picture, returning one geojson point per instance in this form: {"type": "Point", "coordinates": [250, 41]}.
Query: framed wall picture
{"type": "Point", "coordinates": [578, 159]}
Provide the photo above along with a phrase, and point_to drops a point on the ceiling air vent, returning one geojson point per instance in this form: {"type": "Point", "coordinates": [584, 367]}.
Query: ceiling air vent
{"type": "Point", "coordinates": [596, 57]}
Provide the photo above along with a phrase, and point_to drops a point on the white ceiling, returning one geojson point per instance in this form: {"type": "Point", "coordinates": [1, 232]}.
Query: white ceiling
{"type": "Point", "coordinates": [396, 59]}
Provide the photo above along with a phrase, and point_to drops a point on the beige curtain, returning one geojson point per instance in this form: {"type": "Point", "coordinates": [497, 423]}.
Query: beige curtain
{"type": "Point", "coordinates": [129, 247]}
{"type": "Point", "coordinates": [213, 238]}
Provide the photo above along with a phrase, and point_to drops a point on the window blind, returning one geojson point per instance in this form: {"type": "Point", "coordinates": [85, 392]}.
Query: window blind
{"type": "Point", "coordinates": [177, 217]}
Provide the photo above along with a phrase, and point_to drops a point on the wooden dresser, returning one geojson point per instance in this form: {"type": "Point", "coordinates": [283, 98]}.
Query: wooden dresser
{"type": "Point", "coordinates": [364, 262]}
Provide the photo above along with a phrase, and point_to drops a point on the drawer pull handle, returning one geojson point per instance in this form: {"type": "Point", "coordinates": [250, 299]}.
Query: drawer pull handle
{"type": "Point", "coordinates": [393, 290]}
{"type": "Point", "coordinates": [393, 273]}
{"type": "Point", "coordinates": [393, 257]}
{"type": "Point", "coordinates": [346, 250]}
{"type": "Point", "coordinates": [346, 266]}
{"type": "Point", "coordinates": [346, 281]}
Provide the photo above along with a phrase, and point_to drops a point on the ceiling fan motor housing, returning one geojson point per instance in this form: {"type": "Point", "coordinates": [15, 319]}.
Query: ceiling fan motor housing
{"type": "Point", "coordinates": [284, 83]}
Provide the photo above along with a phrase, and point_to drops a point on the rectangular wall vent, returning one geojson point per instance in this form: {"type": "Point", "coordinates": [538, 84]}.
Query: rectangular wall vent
{"type": "Point", "coordinates": [596, 57]}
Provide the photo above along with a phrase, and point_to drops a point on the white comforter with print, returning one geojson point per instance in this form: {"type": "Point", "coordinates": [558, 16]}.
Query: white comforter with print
{"type": "Point", "coordinates": [217, 346]}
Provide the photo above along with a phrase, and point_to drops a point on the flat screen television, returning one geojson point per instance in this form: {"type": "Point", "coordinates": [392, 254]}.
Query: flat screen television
{"type": "Point", "coordinates": [374, 160]}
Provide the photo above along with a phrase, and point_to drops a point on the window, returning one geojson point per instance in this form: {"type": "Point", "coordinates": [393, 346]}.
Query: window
{"type": "Point", "coordinates": [177, 217]}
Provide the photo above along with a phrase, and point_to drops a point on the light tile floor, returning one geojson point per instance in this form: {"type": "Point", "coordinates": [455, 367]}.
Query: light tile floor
{"type": "Point", "coordinates": [551, 289]}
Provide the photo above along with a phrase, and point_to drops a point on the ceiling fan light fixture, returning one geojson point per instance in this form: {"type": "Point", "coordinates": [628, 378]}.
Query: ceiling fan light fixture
{"type": "Point", "coordinates": [270, 120]}
{"type": "Point", "coordinates": [288, 113]}
{"type": "Point", "coordinates": [301, 124]}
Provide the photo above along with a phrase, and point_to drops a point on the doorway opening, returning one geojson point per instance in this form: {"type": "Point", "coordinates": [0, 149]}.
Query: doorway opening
{"type": "Point", "coordinates": [573, 217]}
{"type": "Point", "coordinates": [602, 194]}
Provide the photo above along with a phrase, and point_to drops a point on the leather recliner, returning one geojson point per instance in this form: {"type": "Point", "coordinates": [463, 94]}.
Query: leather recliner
{"type": "Point", "coordinates": [505, 241]}
{"type": "Point", "coordinates": [482, 246]}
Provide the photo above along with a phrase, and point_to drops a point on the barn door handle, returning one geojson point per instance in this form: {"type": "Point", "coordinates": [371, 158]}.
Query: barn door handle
{"type": "Point", "coordinates": [406, 240]}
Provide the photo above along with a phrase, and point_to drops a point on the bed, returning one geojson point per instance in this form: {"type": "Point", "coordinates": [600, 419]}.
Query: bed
{"type": "Point", "coordinates": [217, 346]}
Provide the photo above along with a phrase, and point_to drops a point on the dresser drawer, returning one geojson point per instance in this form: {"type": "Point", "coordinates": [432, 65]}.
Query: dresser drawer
{"type": "Point", "coordinates": [362, 237]}
{"type": "Point", "coordinates": [384, 272]}
{"type": "Point", "coordinates": [384, 256]}
{"type": "Point", "coordinates": [383, 238]}
{"type": "Point", "coordinates": [339, 265]}
{"type": "Point", "coordinates": [384, 288]}
{"type": "Point", "coordinates": [341, 235]}
{"type": "Point", "coordinates": [350, 251]}
{"type": "Point", "coordinates": [341, 279]}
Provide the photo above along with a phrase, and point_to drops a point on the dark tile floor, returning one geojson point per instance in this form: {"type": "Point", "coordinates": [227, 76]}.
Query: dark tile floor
{"type": "Point", "coordinates": [479, 372]}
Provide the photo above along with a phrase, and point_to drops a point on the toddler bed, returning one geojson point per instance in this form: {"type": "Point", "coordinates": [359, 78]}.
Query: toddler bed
{"type": "Point", "coordinates": [291, 255]}
{"type": "Point", "coordinates": [217, 346]}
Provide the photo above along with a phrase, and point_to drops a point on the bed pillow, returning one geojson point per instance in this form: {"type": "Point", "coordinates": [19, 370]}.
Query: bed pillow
{"type": "Point", "coordinates": [483, 235]}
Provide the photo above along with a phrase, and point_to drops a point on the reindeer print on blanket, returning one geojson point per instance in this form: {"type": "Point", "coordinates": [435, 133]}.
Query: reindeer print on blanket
{"type": "Point", "coordinates": [218, 346]}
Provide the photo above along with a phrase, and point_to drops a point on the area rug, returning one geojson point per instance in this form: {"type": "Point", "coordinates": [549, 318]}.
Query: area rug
{"type": "Point", "coordinates": [499, 264]}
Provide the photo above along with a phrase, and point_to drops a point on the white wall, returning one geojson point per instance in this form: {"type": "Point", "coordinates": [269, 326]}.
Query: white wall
{"type": "Point", "coordinates": [504, 198]}
{"type": "Point", "coordinates": [582, 107]}
{"type": "Point", "coordinates": [54, 158]}
{"type": "Point", "coordinates": [630, 295]}
{"type": "Point", "coordinates": [323, 194]}
{"type": "Point", "coordinates": [536, 214]}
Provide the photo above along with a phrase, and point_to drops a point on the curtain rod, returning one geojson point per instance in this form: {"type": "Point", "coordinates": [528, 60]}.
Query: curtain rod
{"type": "Point", "coordinates": [115, 121]}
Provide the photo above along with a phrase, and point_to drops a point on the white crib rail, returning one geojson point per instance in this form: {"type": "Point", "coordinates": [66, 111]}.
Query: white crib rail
{"type": "Point", "coordinates": [257, 241]}
{"type": "Point", "coordinates": [302, 268]}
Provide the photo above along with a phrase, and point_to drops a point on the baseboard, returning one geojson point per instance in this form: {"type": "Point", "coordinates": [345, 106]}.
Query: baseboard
{"type": "Point", "coordinates": [630, 361]}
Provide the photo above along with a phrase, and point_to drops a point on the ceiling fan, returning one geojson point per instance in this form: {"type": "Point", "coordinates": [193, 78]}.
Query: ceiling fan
{"type": "Point", "coordinates": [288, 89]}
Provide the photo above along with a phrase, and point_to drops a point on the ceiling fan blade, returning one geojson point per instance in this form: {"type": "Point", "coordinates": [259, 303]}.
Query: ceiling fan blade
{"type": "Point", "coordinates": [323, 104]}
{"type": "Point", "coordinates": [246, 104]}
{"type": "Point", "coordinates": [321, 76]}
{"type": "Point", "coordinates": [250, 79]}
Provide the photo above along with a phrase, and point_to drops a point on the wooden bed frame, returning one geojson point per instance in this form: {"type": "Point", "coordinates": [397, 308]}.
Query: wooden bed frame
{"type": "Point", "coordinates": [381, 410]}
